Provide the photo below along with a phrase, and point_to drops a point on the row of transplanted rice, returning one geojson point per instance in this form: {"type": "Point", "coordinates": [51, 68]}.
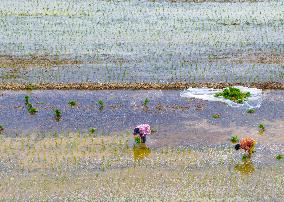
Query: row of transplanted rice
{"type": "Point", "coordinates": [138, 41]}
{"type": "Point", "coordinates": [165, 74]}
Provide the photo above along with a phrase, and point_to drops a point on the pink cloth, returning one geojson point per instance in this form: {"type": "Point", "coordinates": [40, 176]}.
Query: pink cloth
{"type": "Point", "coordinates": [144, 129]}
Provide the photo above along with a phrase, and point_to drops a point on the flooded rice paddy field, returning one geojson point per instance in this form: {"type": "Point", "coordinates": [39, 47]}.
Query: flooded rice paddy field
{"type": "Point", "coordinates": [188, 156]}
{"type": "Point", "coordinates": [140, 41]}
{"type": "Point", "coordinates": [87, 153]}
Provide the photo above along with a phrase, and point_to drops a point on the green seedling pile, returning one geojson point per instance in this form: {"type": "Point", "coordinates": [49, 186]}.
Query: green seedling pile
{"type": "Point", "coordinates": [234, 94]}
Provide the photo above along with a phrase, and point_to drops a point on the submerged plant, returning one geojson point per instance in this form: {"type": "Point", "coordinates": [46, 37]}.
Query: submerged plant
{"type": "Point", "coordinates": [250, 111]}
{"type": "Point", "coordinates": [1, 128]}
{"type": "Point", "coordinates": [57, 114]}
{"type": "Point", "coordinates": [216, 116]}
{"type": "Point", "coordinates": [234, 139]}
{"type": "Point", "coordinates": [72, 103]}
{"type": "Point", "coordinates": [279, 157]}
{"type": "Point", "coordinates": [234, 94]}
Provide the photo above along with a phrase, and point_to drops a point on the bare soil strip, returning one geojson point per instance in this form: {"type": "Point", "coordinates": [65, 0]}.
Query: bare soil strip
{"type": "Point", "coordinates": [44, 61]}
{"type": "Point", "coordinates": [253, 58]}
{"type": "Point", "coordinates": [134, 86]}
{"type": "Point", "coordinates": [47, 61]}
{"type": "Point", "coordinates": [33, 61]}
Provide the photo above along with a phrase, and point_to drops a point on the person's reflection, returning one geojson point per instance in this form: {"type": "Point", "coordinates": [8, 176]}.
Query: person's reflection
{"type": "Point", "coordinates": [245, 168]}
{"type": "Point", "coordinates": [140, 151]}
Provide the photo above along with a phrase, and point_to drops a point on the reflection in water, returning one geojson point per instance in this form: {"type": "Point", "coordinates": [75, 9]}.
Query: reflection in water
{"type": "Point", "coordinates": [140, 151]}
{"type": "Point", "coordinates": [245, 168]}
{"type": "Point", "coordinates": [261, 132]}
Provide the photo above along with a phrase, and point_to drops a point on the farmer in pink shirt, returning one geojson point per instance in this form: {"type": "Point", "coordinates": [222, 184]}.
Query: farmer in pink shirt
{"type": "Point", "coordinates": [142, 131]}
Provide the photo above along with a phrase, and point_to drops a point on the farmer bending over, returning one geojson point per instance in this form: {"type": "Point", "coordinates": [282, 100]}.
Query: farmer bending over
{"type": "Point", "coordinates": [247, 144]}
{"type": "Point", "coordinates": [141, 131]}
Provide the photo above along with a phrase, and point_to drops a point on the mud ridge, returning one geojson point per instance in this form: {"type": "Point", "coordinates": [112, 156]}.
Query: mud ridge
{"type": "Point", "coordinates": [134, 86]}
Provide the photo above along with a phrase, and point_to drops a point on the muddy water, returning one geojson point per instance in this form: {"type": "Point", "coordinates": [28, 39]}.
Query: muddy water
{"type": "Point", "coordinates": [178, 121]}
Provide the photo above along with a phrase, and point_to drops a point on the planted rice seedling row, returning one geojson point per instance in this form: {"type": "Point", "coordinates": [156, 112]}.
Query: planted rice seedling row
{"type": "Point", "coordinates": [186, 73]}
{"type": "Point", "coordinates": [122, 47]}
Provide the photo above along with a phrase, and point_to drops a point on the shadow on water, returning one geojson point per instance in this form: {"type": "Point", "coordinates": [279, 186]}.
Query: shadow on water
{"type": "Point", "coordinates": [245, 168]}
{"type": "Point", "coordinates": [140, 151]}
